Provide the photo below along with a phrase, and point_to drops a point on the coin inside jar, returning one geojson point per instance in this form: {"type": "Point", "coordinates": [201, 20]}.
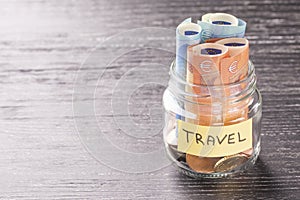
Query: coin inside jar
{"type": "Point", "coordinates": [201, 164]}
{"type": "Point", "coordinates": [230, 162]}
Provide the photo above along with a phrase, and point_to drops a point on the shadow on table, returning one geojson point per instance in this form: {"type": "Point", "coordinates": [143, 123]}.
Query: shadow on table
{"type": "Point", "coordinates": [255, 183]}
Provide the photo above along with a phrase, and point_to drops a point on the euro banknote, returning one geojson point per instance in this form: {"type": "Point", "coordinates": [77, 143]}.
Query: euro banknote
{"type": "Point", "coordinates": [220, 25]}
{"type": "Point", "coordinates": [187, 33]}
{"type": "Point", "coordinates": [217, 64]}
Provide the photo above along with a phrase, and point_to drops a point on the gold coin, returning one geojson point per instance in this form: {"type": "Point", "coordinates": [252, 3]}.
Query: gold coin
{"type": "Point", "coordinates": [230, 162]}
{"type": "Point", "coordinates": [201, 164]}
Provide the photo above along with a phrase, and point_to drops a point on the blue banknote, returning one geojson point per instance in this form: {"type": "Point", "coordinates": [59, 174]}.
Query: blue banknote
{"type": "Point", "coordinates": [210, 30]}
{"type": "Point", "coordinates": [187, 33]}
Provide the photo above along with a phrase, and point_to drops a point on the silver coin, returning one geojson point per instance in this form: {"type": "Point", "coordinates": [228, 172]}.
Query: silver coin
{"type": "Point", "coordinates": [230, 162]}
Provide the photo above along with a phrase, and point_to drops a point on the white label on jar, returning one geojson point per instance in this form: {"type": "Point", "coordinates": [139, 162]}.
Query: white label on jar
{"type": "Point", "coordinates": [214, 141]}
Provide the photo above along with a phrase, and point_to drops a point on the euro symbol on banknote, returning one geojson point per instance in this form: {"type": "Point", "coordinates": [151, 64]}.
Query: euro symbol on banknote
{"type": "Point", "coordinates": [233, 67]}
{"type": "Point", "coordinates": [206, 65]}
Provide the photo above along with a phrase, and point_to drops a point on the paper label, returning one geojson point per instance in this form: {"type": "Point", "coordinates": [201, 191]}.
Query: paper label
{"type": "Point", "coordinates": [214, 141]}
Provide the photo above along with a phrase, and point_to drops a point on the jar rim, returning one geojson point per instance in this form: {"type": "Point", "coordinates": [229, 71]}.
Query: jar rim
{"type": "Point", "coordinates": [247, 79]}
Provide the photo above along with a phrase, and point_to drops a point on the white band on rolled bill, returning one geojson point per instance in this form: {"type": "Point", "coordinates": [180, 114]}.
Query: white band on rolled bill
{"type": "Point", "coordinates": [221, 25]}
{"type": "Point", "coordinates": [223, 19]}
{"type": "Point", "coordinates": [235, 45]}
{"type": "Point", "coordinates": [189, 29]}
{"type": "Point", "coordinates": [187, 33]}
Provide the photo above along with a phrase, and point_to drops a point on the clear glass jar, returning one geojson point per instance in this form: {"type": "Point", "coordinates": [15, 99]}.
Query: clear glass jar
{"type": "Point", "coordinates": [216, 131]}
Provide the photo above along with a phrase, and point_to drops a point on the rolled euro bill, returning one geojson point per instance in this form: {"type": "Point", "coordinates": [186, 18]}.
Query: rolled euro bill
{"type": "Point", "coordinates": [187, 33]}
{"type": "Point", "coordinates": [220, 19]}
{"type": "Point", "coordinates": [234, 67]}
{"type": "Point", "coordinates": [203, 70]}
{"type": "Point", "coordinates": [204, 62]}
{"type": "Point", "coordinates": [221, 25]}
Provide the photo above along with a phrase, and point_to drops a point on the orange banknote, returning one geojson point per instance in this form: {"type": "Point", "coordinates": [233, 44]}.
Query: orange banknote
{"type": "Point", "coordinates": [220, 63]}
{"type": "Point", "coordinates": [234, 67]}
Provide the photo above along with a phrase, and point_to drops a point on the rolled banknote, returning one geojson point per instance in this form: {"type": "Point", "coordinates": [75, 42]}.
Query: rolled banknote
{"type": "Point", "coordinates": [234, 67]}
{"type": "Point", "coordinates": [187, 33]}
{"type": "Point", "coordinates": [203, 69]}
{"type": "Point", "coordinates": [210, 64]}
{"type": "Point", "coordinates": [220, 19]}
{"type": "Point", "coordinates": [221, 25]}
{"type": "Point", "coordinates": [204, 63]}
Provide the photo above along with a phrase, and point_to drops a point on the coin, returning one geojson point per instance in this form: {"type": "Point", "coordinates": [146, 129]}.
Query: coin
{"type": "Point", "coordinates": [230, 162]}
{"type": "Point", "coordinates": [201, 164]}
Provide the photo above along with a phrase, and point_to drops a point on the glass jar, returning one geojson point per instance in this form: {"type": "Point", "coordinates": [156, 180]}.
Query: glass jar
{"type": "Point", "coordinates": [215, 131]}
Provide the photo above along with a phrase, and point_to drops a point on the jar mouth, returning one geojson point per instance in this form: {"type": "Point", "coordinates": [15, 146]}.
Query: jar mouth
{"type": "Point", "coordinates": [247, 79]}
{"type": "Point", "coordinates": [239, 89]}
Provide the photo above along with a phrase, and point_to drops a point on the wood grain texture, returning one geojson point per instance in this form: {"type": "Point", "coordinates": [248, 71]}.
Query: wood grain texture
{"type": "Point", "coordinates": [43, 44]}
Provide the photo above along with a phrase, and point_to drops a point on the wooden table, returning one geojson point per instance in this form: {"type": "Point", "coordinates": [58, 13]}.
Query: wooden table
{"type": "Point", "coordinates": [58, 90]}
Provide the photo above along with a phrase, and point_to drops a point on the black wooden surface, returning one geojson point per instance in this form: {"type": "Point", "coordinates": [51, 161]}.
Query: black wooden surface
{"type": "Point", "coordinates": [43, 45]}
